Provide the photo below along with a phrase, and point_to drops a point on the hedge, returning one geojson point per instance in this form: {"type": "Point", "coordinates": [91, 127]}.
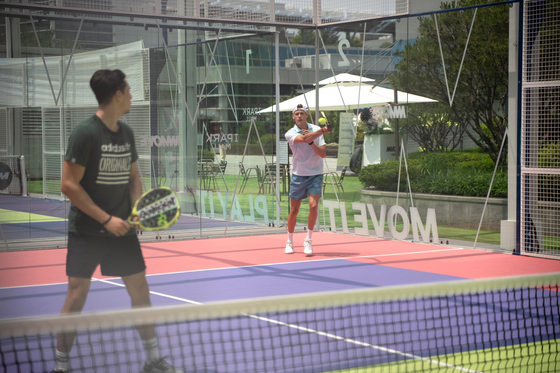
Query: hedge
{"type": "Point", "coordinates": [459, 173]}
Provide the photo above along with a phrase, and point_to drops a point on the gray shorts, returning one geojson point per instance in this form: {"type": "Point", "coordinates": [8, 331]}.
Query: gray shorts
{"type": "Point", "coordinates": [302, 186]}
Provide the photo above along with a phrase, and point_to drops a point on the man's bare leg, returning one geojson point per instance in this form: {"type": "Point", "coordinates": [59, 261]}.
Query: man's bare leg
{"type": "Point", "coordinates": [292, 220]}
{"type": "Point", "coordinates": [76, 296]}
{"type": "Point", "coordinates": [313, 211]}
{"type": "Point", "coordinates": [139, 292]}
{"type": "Point", "coordinates": [311, 219]}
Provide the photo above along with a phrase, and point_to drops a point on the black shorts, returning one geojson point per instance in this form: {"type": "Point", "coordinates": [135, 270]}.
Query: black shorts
{"type": "Point", "coordinates": [118, 256]}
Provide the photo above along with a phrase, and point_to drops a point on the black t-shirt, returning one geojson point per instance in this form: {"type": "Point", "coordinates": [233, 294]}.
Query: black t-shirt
{"type": "Point", "coordinates": [107, 157]}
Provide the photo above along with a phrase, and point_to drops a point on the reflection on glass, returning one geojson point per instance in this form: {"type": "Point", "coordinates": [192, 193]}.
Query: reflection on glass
{"type": "Point", "coordinates": [205, 123]}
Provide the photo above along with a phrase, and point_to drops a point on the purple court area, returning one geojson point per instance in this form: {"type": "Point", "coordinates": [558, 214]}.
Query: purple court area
{"type": "Point", "coordinates": [359, 336]}
{"type": "Point", "coordinates": [218, 285]}
{"type": "Point", "coordinates": [32, 205]}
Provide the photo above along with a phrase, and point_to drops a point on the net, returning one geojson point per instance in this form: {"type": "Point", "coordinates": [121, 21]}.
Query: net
{"type": "Point", "coordinates": [498, 325]}
{"type": "Point", "coordinates": [13, 179]}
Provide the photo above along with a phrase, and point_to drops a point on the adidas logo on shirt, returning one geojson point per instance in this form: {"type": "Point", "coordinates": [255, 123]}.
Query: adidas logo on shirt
{"type": "Point", "coordinates": [110, 148]}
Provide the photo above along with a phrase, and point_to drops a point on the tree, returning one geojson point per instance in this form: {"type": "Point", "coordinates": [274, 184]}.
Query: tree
{"type": "Point", "coordinates": [480, 101]}
{"type": "Point", "coordinates": [356, 42]}
{"type": "Point", "coordinates": [433, 127]}
{"type": "Point", "coordinates": [334, 121]}
{"type": "Point", "coordinates": [544, 46]}
{"type": "Point", "coordinates": [307, 37]}
{"type": "Point", "coordinates": [46, 38]}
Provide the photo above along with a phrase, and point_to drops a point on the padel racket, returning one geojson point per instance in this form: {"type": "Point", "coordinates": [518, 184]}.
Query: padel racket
{"type": "Point", "coordinates": [157, 209]}
{"type": "Point", "coordinates": [326, 121]}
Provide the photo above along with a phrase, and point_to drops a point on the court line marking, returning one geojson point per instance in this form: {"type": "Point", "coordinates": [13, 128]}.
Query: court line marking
{"type": "Point", "coordinates": [313, 331]}
{"type": "Point", "coordinates": [305, 261]}
{"type": "Point", "coordinates": [252, 265]}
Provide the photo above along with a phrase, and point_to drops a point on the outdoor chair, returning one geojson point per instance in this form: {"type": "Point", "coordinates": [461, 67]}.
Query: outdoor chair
{"type": "Point", "coordinates": [333, 179]}
{"type": "Point", "coordinates": [223, 165]}
{"type": "Point", "coordinates": [206, 173]}
{"type": "Point", "coordinates": [247, 174]}
{"type": "Point", "coordinates": [267, 180]}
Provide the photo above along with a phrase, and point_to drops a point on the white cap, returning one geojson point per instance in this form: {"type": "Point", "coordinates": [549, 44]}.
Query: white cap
{"type": "Point", "coordinates": [299, 107]}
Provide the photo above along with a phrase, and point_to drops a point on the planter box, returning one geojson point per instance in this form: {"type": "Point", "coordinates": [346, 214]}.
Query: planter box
{"type": "Point", "coordinates": [378, 149]}
{"type": "Point", "coordinates": [451, 211]}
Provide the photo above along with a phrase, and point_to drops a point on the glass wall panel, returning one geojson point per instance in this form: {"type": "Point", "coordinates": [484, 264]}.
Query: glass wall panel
{"type": "Point", "coordinates": [428, 127]}
{"type": "Point", "coordinates": [417, 106]}
{"type": "Point", "coordinates": [210, 174]}
{"type": "Point", "coordinates": [194, 93]}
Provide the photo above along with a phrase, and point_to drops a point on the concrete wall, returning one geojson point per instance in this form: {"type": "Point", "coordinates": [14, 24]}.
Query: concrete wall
{"type": "Point", "coordinates": [452, 211]}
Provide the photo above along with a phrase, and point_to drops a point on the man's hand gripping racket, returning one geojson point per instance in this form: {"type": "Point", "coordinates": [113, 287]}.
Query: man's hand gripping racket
{"type": "Point", "coordinates": [323, 121]}
{"type": "Point", "coordinates": [156, 210]}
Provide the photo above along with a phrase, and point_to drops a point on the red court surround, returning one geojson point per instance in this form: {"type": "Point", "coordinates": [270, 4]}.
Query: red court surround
{"type": "Point", "coordinates": [48, 266]}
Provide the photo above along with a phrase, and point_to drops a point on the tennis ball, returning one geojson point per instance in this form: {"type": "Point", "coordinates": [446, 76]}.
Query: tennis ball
{"type": "Point", "coordinates": [322, 121]}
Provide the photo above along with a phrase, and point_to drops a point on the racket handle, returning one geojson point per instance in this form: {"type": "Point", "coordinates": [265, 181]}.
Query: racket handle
{"type": "Point", "coordinates": [131, 221]}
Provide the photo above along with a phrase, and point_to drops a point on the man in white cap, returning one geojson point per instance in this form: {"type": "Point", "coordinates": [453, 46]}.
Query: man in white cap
{"type": "Point", "coordinates": [308, 149]}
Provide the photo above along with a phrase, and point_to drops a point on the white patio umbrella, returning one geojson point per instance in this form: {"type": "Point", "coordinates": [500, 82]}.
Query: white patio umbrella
{"type": "Point", "coordinates": [348, 95]}
{"type": "Point", "coordinates": [345, 78]}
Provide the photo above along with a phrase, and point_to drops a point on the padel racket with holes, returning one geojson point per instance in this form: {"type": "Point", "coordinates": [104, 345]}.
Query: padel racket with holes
{"type": "Point", "coordinates": [326, 121]}
{"type": "Point", "coordinates": [157, 209]}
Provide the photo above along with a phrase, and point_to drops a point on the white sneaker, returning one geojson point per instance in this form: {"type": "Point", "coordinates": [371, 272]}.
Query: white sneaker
{"type": "Point", "coordinates": [307, 248]}
{"type": "Point", "coordinates": [289, 248]}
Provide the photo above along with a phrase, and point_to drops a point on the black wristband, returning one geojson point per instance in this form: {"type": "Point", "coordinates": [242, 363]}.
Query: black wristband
{"type": "Point", "coordinates": [106, 221]}
{"type": "Point", "coordinates": [311, 143]}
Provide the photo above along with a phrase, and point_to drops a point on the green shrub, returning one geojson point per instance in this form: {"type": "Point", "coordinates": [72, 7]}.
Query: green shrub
{"type": "Point", "coordinates": [268, 140]}
{"type": "Point", "coordinates": [461, 173]}
{"type": "Point", "coordinates": [383, 176]}
{"type": "Point", "coordinates": [549, 157]}
{"type": "Point", "coordinates": [253, 139]}
{"type": "Point", "coordinates": [205, 153]}
{"type": "Point", "coordinates": [458, 159]}
{"type": "Point", "coordinates": [472, 183]}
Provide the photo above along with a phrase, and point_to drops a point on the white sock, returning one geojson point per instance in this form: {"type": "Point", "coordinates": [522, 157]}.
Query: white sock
{"type": "Point", "coordinates": [309, 234]}
{"type": "Point", "coordinates": [291, 236]}
{"type": "Point", "coordinates": [62, 360]}
{"type": "Point", "coordinates": [151, 348]}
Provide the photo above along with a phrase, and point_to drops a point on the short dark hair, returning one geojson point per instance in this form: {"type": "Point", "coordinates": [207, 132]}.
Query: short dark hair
{"type": "Point", "coordinates": [105, 83]}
